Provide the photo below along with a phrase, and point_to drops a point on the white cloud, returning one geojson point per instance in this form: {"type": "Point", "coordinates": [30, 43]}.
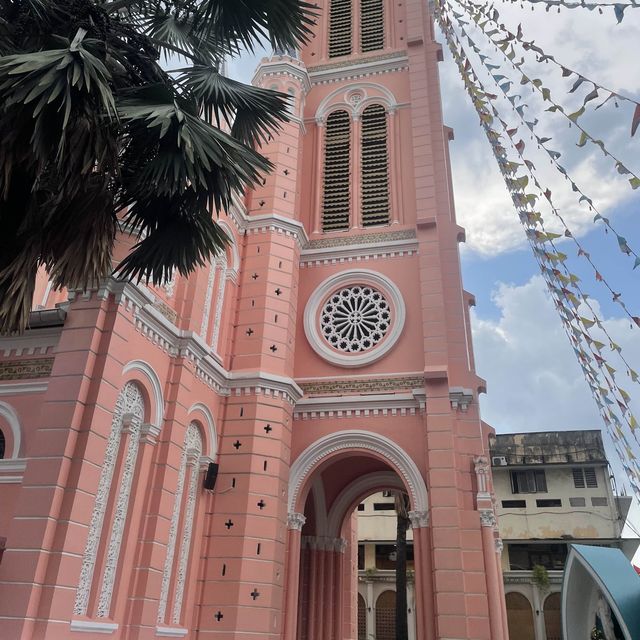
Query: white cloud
{"type": "Point", "coordinates": [533, 379]}
{"type": "Point", "coordinates": [589, 43]}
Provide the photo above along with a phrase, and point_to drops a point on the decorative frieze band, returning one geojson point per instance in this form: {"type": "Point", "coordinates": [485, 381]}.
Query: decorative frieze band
{"type": "Point", "coordinates": [26, 369]}
{"type": "Point", "coordinates": [362, 385]}
{"type": "Point", "coordinates": [366, 67]}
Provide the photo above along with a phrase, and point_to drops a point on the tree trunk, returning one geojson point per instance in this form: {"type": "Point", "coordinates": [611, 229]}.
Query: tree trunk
{"type": "Point", "coordinates": [402, 630]}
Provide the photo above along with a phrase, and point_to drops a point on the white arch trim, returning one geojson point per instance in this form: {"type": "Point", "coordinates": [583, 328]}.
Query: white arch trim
{"type": "Point", "coordinates": [355, 491]}
{"type": "Point", "coordinates": [235, 262]}
{"type": "Point", "coordinates": [210, 426]}
{"type": "Point", "coordinates": [329, 103]}
{"type": "Point", "coordinates": [148, 372]}
{"type": "Point", "coordinates": [10, 415]}
{"type": "Point", "coordinates": [355, 440]}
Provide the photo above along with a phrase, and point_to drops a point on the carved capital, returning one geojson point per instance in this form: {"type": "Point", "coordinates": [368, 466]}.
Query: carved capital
{"type": "Point", "coordinates": [339, 545]}
{"type": "Point", "coordinates": [295, 521]}
{"type": "Point", "coordinates": [499, 545]}
{"type": "Point", "coordinates": [487, 518]}
{"type": "Point", "coordinates": [419, 519]}
{"type": "Point", "coordinates": [149, 433]}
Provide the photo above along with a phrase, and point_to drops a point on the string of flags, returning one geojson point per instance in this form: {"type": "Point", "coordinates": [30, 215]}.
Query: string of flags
{"type": "Point", "coordinates": [578, 315]}
{"type": "Point", "coordinates": [618, 7]}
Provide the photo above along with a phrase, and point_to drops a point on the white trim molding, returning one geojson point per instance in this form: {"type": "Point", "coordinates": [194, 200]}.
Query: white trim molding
{"type": "Point", "coordinates": [16, 466]}
{"type": "Point", "coordinates": [355, 492]}
{"type": "Point", "coordinates": [152, 377]}
{"type": "Point", "coordinates": [357, 441]}
{"type": "Point", "coordinates": [171, 632]}
{"type": "Point", "coordinates": [354, 406]}
{"type": "Point", "coordinates": [210, 426]}
{"type": "Point", "coordinates": [18, 388]}
{"type": "Point", "coordinates": [313, 257]}
{"type": "Point", "coordinates": [90, 626]}
{"type": "Point", "coordinates": [330, 285]}
{"type": "Point", "coordinates": [11, 417]}
{"type": "Point", "coordinates": [365, 67]}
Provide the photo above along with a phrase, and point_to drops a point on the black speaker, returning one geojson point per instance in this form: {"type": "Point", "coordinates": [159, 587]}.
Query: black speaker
{"type": "Point", "coordinates": [210, 478]}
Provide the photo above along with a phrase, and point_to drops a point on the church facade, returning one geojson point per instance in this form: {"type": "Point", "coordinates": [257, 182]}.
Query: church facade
{"type": "Point", "coordinates": [325, 356]}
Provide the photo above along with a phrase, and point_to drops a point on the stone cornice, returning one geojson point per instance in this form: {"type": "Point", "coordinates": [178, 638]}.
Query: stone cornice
{"type": "Point", "coordinates": [32, 342]}
{"type": "Point", "coordinates": [358, 251]}
{"type": "Point", "coordinates": [282, 66]}
{"type": "Point", "coordinates": [158, 329]}
{"type": "Point", "coordinates": [402, 404]}
{"type": "Point", "coordinates": [362, 68]}
{"type": "Point", "coordinates": [273, 222]}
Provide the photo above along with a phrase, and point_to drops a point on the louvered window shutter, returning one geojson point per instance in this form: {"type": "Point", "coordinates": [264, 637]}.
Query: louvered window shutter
{"type": "Point", "coordinates": [340, 28]}
{"type": "Point", "coordinates": [337, 172]}
{"type": "Point", "coordinates": [371, 25]}
{"type": "Point", "coordinates": [375, 167]}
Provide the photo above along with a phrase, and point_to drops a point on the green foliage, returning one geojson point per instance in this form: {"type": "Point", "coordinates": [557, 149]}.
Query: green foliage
{"type": "Point", "coordinates": [540, 577]}
{"type": "Point", "coordinates": [95, 133]}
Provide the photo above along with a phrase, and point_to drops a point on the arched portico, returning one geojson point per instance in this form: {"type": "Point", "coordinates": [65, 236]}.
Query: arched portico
{"type": "Point", "coordinates": [327, 481]}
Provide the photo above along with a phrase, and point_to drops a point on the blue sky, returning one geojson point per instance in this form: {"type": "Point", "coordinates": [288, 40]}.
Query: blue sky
{"type": "Point", "coordinates": [534, 382]}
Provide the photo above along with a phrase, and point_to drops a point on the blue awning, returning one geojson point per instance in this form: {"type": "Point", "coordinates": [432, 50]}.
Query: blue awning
{"type": "Point", "coordinates": [589, 570]}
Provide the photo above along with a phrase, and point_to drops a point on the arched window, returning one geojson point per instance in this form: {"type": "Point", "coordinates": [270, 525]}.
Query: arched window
{"type": "Point", "coordinates": [183, 516]}
{"type": "Point", "coordinates": [340, 28]}
{"type": "Point", "coordinates": [128, 417]}
{"type": "Point", "coordinates": [552, 617]}
{"type": "Point", "coordinates": [386, 616]}
{"type": "Point", "coordinates": [375, 167]}
{"type": "Point", "coordinates": [337, 172]}
{"type": "Point", "coordinates": [519, 617]}
{"type": "Point", "coordinates": [362, 618]}
{"type": "Point", "coordinates": [3, 443]}
{"type": "Point", "coordinates": [371, 25]}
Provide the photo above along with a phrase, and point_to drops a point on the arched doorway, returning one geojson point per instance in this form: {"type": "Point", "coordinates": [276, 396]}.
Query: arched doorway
{"type": "Point", "coordinates": [519, 617]}
{"type": "Point", "coordinates": [552, 618]}
{"type": "Point", "coordinates": [362, 618]}
{"type": "Point", "coordinates": [327, 482]}
{"type": "Point", "coordinates": [386, 616]}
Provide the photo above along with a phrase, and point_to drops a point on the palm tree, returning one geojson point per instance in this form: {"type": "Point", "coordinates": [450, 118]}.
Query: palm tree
{"type": "Point", "coordinates": [402, 525]}
{"type": "Point", "coordinates": [95, 133]}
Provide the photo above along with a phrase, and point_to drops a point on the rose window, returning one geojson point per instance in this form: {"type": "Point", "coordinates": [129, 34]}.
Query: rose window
{"type": "Point", "coordinates": [355, 318]}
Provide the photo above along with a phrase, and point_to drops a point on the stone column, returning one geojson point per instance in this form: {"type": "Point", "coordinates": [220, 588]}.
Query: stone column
{"type": "Point", "coordinates": [338, 559]}
{"type": "Point", "coordinates": [425, 612]}
{"type": "Point", "coordinates": [296, 522]}
{"type": "Point", "coordinates": [488, 521]}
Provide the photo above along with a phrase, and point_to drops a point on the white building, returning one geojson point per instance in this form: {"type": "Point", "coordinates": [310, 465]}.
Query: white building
{"type": "Point", "coordinates": [552, 489]}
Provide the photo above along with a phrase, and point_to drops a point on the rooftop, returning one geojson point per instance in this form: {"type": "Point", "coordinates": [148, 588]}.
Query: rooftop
{"type": "Point", "coordinates": [547, 447]}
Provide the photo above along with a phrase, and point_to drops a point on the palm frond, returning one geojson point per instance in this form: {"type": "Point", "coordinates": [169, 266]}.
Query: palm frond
{"type": "Point", "coordinates": [170, 150]}
{"type": "Point", "coordinates": [251, 113]}
{"type": "Point", "coordinates": [238, 24]}
{"type": "Point", "coordinates": [183, 237]}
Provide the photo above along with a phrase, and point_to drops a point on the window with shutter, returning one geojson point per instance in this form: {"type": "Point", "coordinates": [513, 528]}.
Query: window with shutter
{"type": "Point", "coordinates": [340, 28]}
{"type": "Point", "coordinates": [590, 477]}
{"type": "Point", "coordinates": [375, 167]}
{"type": "Point", "coordinates": [578, 478]}
{"type": "Point", "coordinates": [371, 25]}
{"type": "Point", "coordinates": [337, 172]}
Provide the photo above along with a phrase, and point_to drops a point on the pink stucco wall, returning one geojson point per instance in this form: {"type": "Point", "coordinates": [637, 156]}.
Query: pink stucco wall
{"type": "Point", "coordinates": [145, 551]}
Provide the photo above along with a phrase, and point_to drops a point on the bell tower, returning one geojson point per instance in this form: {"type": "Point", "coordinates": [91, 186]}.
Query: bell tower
{"type": "Point", "coordinates": [383, 349]}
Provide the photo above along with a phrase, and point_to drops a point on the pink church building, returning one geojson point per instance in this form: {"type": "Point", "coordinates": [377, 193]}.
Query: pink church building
{"type": "Point", "coordinates": [324, 357]}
